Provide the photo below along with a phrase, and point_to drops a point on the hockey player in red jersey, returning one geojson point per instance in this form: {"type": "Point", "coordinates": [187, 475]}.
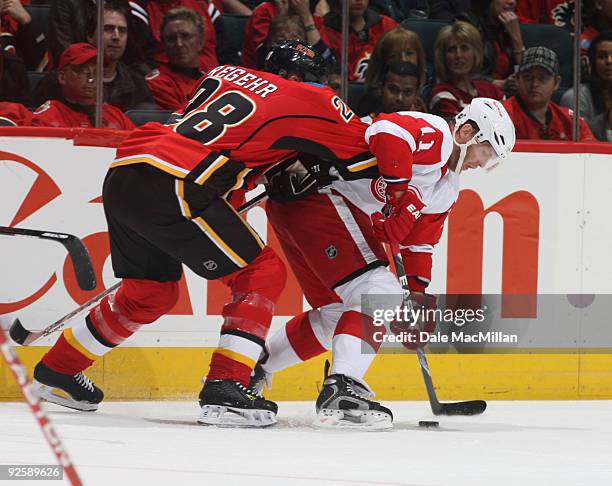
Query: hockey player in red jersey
{"type": "Point", "coordinates": [338, 257]}
{"type": "Point", "coordinates": [165, 200]}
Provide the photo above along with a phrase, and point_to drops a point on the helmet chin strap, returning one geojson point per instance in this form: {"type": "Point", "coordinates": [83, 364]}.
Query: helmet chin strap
{"type": "Point", "coordinates": [462, 149]}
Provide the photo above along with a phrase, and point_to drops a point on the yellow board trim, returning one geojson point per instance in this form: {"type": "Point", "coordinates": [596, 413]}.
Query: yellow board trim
{"type": "Point", "coordinates": [175, 374]}
{"type": "Point", "coordinates": [69, 336]}
{"type": "Point", "coordinates": [241, 358]}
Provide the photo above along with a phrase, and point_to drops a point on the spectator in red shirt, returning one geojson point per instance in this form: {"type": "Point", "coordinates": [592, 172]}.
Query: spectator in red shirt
{"type": "Point", "coordinates": [366, 27]}
{"type": "Point", "coordinates": [76, 107]}
{"type": "Point", "coordinates": [14, 114]}
{"type": "Point", "coordinates": [258, 25]}
{"type": "Point", "coordinates": [458, 58]}
{"type": "Point", "coordinates": [182, 38]}
{"type": "Point", "coordinates": [282, 28]}
{"type": "Point", "coordinates": [156, 10]}
{"type": "Point", "coordinates": [503, 43]}
{"type": "Point", "coordinates": [534, 115]}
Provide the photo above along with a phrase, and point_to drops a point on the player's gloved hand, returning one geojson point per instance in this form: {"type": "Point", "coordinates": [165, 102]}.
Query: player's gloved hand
{"type": "Point", "coordinates": [402, 216]}
{"type": "Point", "coordinates": [289, 185]}
{"type": "Point", "coordinates": [414, 331]}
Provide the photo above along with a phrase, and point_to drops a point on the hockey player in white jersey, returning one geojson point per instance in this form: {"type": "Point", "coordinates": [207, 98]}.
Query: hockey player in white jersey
{"type": "Point", "coordinates": [336, 253]}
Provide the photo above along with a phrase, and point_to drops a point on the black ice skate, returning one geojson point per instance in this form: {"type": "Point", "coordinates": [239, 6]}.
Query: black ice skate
{"type": "Point", "coordinates": [72, 391]}
{"type": "Point", "coordinates": [227, 403]}
{"type": "Point", "coordinates": [344, 402]}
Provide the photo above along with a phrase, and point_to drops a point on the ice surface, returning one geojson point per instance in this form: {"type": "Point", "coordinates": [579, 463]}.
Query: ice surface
{"type": "Point", "coordinates": [159, 443]}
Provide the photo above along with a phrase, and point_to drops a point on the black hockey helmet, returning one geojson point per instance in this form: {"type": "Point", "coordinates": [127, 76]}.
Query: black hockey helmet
{"type": "Point", "coordinates": [296, 57]}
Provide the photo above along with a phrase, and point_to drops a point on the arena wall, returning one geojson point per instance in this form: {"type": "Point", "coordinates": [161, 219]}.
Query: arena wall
{"type": "Point", "coordinates": [539, 224]}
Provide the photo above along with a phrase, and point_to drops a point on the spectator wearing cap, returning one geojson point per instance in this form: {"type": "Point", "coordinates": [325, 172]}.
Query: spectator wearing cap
{"type": "Point", "coordinates": [535, 116]}
{"type": "Point", "coordinates": [76, 106]}
{"type": "Point", "coordinates": [458, 54]}
{"type": "Point", "coordinates": [182, 38]}
{"type": "Point", "coordinates": [123, 86]}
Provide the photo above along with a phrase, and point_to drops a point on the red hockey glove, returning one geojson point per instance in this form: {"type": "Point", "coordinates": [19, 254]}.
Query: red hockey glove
{"type": "Point", "coordinates": [404, 213]}
{"type": "Point", "coordinates": [415, 336]}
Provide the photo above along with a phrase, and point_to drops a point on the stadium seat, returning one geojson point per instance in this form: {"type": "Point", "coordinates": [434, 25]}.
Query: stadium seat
{"type": "Point", "coordinates": [231, 36]}
{"type": "Point", "coordinates": [556, 39]}
{"type": "Point", "coordinates": [140, 117]}
{"type": "Point", "coordinates": [427, 31]}
{"type": "Point", "coordinates": [35, 77]}
{"type": "Point", "coordinates": [40, 17]}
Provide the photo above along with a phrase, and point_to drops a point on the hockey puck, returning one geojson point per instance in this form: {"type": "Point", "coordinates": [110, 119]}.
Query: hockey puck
{"type": "Point", "coordinates": [428, 423]}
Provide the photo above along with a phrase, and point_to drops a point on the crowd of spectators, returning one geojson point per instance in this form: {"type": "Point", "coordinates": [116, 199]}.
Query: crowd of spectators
{"type": "Point", "coordinates": [156, 50]}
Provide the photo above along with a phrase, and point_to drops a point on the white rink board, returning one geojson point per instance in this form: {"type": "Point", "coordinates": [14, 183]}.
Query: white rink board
{"type": "Point", "coordinates": [572, 191]}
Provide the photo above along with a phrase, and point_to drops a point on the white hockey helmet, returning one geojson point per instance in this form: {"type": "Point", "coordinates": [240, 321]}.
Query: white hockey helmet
{"type": "Point", "coordinates": [494, 126]}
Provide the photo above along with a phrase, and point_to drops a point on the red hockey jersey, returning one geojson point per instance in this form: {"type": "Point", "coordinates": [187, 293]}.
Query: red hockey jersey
{"type": "Point", "coordinates": [158, 8]}
{"type": "Point", "coordinates": [54, 113]}
{"type": "Point", "coordinates": [361, 44]}
{"type": "Point", "coordinates": [255, 118]}
{"type": "Point", "coordinates": [171, 88]}
{"type": "Point", "coordinates": [559, 123]}
{"type": "Point", "coordinates": [447, 100]}
{"type": "Point", "coordinates": [256, 32]}
{"type": "Point", "coordinates": [15, 114]}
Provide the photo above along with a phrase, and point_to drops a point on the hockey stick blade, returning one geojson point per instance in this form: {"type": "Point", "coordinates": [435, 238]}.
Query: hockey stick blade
{"type": "Point", "coordinates": [18, 333]}
{"type": "Point", "coordinates": [79, 255]}
{"type": "Point", "coordinates": [470, 407]}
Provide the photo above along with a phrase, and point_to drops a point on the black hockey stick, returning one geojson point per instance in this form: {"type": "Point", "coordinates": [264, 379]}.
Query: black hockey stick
{"type": "Point", "coordinates": [470, 407]}
{"type": "Point", "coordinates": [79, 255]}
{"type": "Point", "coordinates": [22, 336]}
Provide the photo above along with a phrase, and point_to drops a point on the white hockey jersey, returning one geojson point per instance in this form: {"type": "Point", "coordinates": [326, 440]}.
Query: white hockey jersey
{"type": "Point", "coordinates": [412, 148]}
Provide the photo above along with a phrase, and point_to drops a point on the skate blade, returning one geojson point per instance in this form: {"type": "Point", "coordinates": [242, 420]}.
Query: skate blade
{"type": "Point", "coordinates": [52, 395]}
{"type": "Point", "coordinates": [222, 416]}
{"type": "Point", "coordinates": [353, 420]}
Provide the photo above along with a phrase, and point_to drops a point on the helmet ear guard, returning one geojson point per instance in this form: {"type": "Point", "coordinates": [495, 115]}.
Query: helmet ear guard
{"type": "Point", "coordinates": [494, 126]}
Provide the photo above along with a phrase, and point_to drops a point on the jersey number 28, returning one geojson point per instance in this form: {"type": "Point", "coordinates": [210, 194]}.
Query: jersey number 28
{"type": "Point", "coordinates": [207, 117]}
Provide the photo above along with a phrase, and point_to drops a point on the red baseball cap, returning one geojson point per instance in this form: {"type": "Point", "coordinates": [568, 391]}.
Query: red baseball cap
{"type": "Point", "coordinates": [77, 54]}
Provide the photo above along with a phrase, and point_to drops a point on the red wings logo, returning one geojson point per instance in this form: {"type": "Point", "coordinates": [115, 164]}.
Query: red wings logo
{"type": "Point", "coordinates": [378, 188]}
